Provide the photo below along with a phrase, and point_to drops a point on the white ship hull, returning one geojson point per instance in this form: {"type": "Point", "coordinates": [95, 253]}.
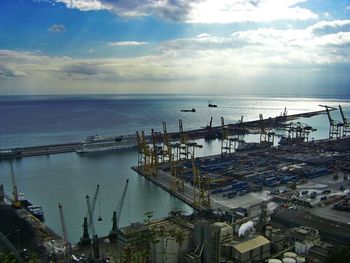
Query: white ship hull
{"type": "Point", "coordinates": [105, 145]}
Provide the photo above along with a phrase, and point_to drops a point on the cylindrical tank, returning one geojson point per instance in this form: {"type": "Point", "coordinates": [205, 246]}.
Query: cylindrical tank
{"type": "Point", "coordinates": [268, 230]}
{"type": "Point", "coordinates": [289, 260]}
{"type": "Point", "coordinates": [273, 260]}
{"type": "Point", "coordinates": [289, 255]}
{"type": "Point", "coordinates": [301, 260]}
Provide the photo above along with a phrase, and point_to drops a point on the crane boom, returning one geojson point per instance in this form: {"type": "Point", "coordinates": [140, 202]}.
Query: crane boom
{"type": "Point", "coordinates": [16, 203]}
{"type": "Point", "coordinates": [91, 216]}
{"type": "Point", "coordinates": [67, 245]}
{"type": "Point", "coordinates": [119, 208]}
{"type": "Point", "coordinates": [345, 120]}
{"type": "Point", "coordinates": [92, 229]}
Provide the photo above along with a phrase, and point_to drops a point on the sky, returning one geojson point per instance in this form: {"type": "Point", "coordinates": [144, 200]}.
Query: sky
{"type": "Point", "coordinates": [272, 47]}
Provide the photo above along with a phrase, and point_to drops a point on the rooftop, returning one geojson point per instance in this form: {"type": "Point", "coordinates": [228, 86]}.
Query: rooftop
{"type": "Point", "coordinates": [251, 244]}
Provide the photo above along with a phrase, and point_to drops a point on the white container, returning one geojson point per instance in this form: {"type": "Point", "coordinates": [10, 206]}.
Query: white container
{"type": "Point", "coordinates": [273, 260]}
{"type": "Point", "coordinates": [289, 255]}
{"type": "Point", "coordinates": [289, 260]}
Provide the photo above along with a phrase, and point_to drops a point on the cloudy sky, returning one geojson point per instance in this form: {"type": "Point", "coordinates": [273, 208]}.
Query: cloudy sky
{"type": "Point", "coordinates": [175, 46]}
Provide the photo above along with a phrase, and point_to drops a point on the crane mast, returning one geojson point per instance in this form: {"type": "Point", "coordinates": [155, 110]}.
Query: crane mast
{"type": "Point", "coordinates": [334, 126]}
{"type": "Point", "coordinates": [346, 123]}
{"type": "Point", "coordinates": [16, 203]}
{"type": "Point", "coordinates": [85, 239]}
{"type": "Point", "coordinates": [67, 245]}
{"type": "Point", "coordinates": [117, 213]}
{"type": "Point", "coordinates": [95, 245]}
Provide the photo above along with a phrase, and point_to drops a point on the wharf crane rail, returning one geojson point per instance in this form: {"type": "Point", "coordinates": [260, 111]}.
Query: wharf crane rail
{"type": "Point", "coordinates": [19, 152]}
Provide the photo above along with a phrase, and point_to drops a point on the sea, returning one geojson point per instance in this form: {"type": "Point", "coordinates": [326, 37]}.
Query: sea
{"type": "Point", "coordinates": [67, 178]}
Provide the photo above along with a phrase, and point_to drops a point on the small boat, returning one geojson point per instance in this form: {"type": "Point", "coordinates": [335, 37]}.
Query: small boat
{"type": "Point", "coordinates": [191, 110]}
{"type": "Point", "coordinates": [212, 105]}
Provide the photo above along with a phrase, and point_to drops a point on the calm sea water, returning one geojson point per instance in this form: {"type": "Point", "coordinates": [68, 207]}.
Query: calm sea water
{"type": "Point", "coordinates": [67, 178]}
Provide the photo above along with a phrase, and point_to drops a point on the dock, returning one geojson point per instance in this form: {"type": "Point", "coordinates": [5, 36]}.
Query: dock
{"type": "Point", "coordinates": [20, 152]}
{"type": "Point", "coordinates": [246, 179]}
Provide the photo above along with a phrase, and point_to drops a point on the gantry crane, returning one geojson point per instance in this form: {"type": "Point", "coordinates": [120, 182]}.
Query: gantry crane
{"type": "Point", "coordinates": [187, 147]}
{"type": "Point", "coordinates": [267, 137]}
{"type": "Point", "coordinates": [156, 151]}
{"type": "Point", "coordinates": [67, 244]}
{"type": "Point", "coordinates": [85, 239]}
{"type": "Point", "coordinates": [142, 149]}
{"type": "Point", "coordinates": [201, 196]}
{"type": "Point", "coordinates": [167, 147]}
{"type": "Point", "coordinates": [145, 154]}
{"type": "Point", "coordinates": [334, 126]}
{"type": "Point", "coordinates": [15, 202]}
{"type": "Point", "coordinates": [297, 132]}
{"type": "Point", "coordinates": [228, 143]}
{"type": "Point", "coordinates": [95, 245]}
{"type": "Point", "coordinates": [346, 123]}
{"type": "Point", "coordinates": [117, 213]}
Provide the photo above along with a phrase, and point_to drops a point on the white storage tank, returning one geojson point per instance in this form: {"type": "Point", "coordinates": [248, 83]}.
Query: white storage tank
{"type": "Point", "coordinates": [289, 260]}
{"type": "Point", "coordinates": [301, 260]}
{"type": "Point", "coordinates": [289, 255]}
{"type": "Point", "coordinates": [273, 260]}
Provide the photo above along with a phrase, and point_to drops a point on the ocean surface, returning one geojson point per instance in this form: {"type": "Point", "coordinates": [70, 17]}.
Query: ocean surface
{"type": "Point", "coordinates": [67, 178]}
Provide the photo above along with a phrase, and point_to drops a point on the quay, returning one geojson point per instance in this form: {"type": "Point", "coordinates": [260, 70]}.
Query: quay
{"type": "Point", "coordinates": [19, 152]}
{"type": "Point", "coordinates": [246, 179]}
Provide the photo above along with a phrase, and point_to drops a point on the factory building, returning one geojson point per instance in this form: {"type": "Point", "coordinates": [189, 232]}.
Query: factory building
{"type": "Point", "coordinates": [248, 250]}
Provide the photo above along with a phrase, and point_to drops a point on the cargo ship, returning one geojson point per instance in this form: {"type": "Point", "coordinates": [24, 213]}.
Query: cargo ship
{"type": "Point", "coordinates": [98, 144]}
{"type": "Point", "coordinates": [191, 110]}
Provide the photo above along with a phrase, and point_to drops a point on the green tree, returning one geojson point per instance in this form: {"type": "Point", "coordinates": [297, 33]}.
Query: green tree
{"type": "Point", "coordinates": [340, 255]}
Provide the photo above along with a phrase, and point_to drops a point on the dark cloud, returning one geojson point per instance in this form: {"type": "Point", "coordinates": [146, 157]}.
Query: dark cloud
{"type": "Point", "coordinates": [175, 10]}
{"type": "Point", "coordinates": [6, 72]}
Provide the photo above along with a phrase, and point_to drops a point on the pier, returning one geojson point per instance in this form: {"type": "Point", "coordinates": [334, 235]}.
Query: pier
{"type": "Point", "coordinates": [246, 179]}
{"type": "Point", "coordinates": [193, 134]}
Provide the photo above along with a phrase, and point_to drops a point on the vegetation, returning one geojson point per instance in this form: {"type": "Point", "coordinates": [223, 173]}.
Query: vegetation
{"type": "Point", "coordinates": [340, 255]}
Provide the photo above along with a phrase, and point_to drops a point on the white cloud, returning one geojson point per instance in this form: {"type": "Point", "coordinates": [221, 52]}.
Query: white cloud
{"type": "Point", "coordinates": [127, 43]}
{"type": "Point", "coordinates": [84, 5]}
{"type": "Point", "coordinates": [203, 35]}
{"type": "Point", "coordinates": [226, 11]}
{"type": "Point", "coordinates": [330, 26]}
{"type": "Point", "coordinates": [201, 11]}
{"type": "Point", "coordinates": [348, 7]}
{"type": "Point", "coordinates": [243, 55]}
{"type": "Point", "coordinates": [57, 28]}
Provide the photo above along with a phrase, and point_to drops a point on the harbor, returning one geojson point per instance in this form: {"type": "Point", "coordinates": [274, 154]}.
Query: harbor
{"type": "Point", "coordinates": [20, 152]}
{"type": "Point", "coordinates": [231, 184]}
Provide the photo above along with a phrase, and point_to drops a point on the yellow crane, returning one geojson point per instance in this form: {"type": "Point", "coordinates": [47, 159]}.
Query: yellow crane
{"type": "Point", "coordinates": [228, 143]}
{"type": "Point", "coordinates": [201, 196]}
{"type": "Point", "coordinates": [187, 147]}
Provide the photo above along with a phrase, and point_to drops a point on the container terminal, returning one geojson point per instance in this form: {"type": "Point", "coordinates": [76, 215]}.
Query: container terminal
{"type": "Point", "coordinates": [254, 202]}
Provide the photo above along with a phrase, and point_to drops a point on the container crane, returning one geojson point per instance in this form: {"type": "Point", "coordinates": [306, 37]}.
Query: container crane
{"type": "Point", "coordinates": [85, 239]}
{"type": "Point", "coordinates": [117, 213]}
{"type": "Point", "coordinates": [67, 245]}
{"type": "Point", "coordinates": [95, 245]}
{"type": "Point", "coordinates": [334, 126]}
{"type": "Point", "coordinates": [346, 123]}
{"type": "Point", "coordinates": [15, 202]}
{"type": "Point", "coordinates": [201, 198]}
{"type": "Point", "coordinates": [187, 148]}
{"type": "Point", "coordinates": [228, 143]}
{"type": "Point", "coordinates": [266, 137]}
